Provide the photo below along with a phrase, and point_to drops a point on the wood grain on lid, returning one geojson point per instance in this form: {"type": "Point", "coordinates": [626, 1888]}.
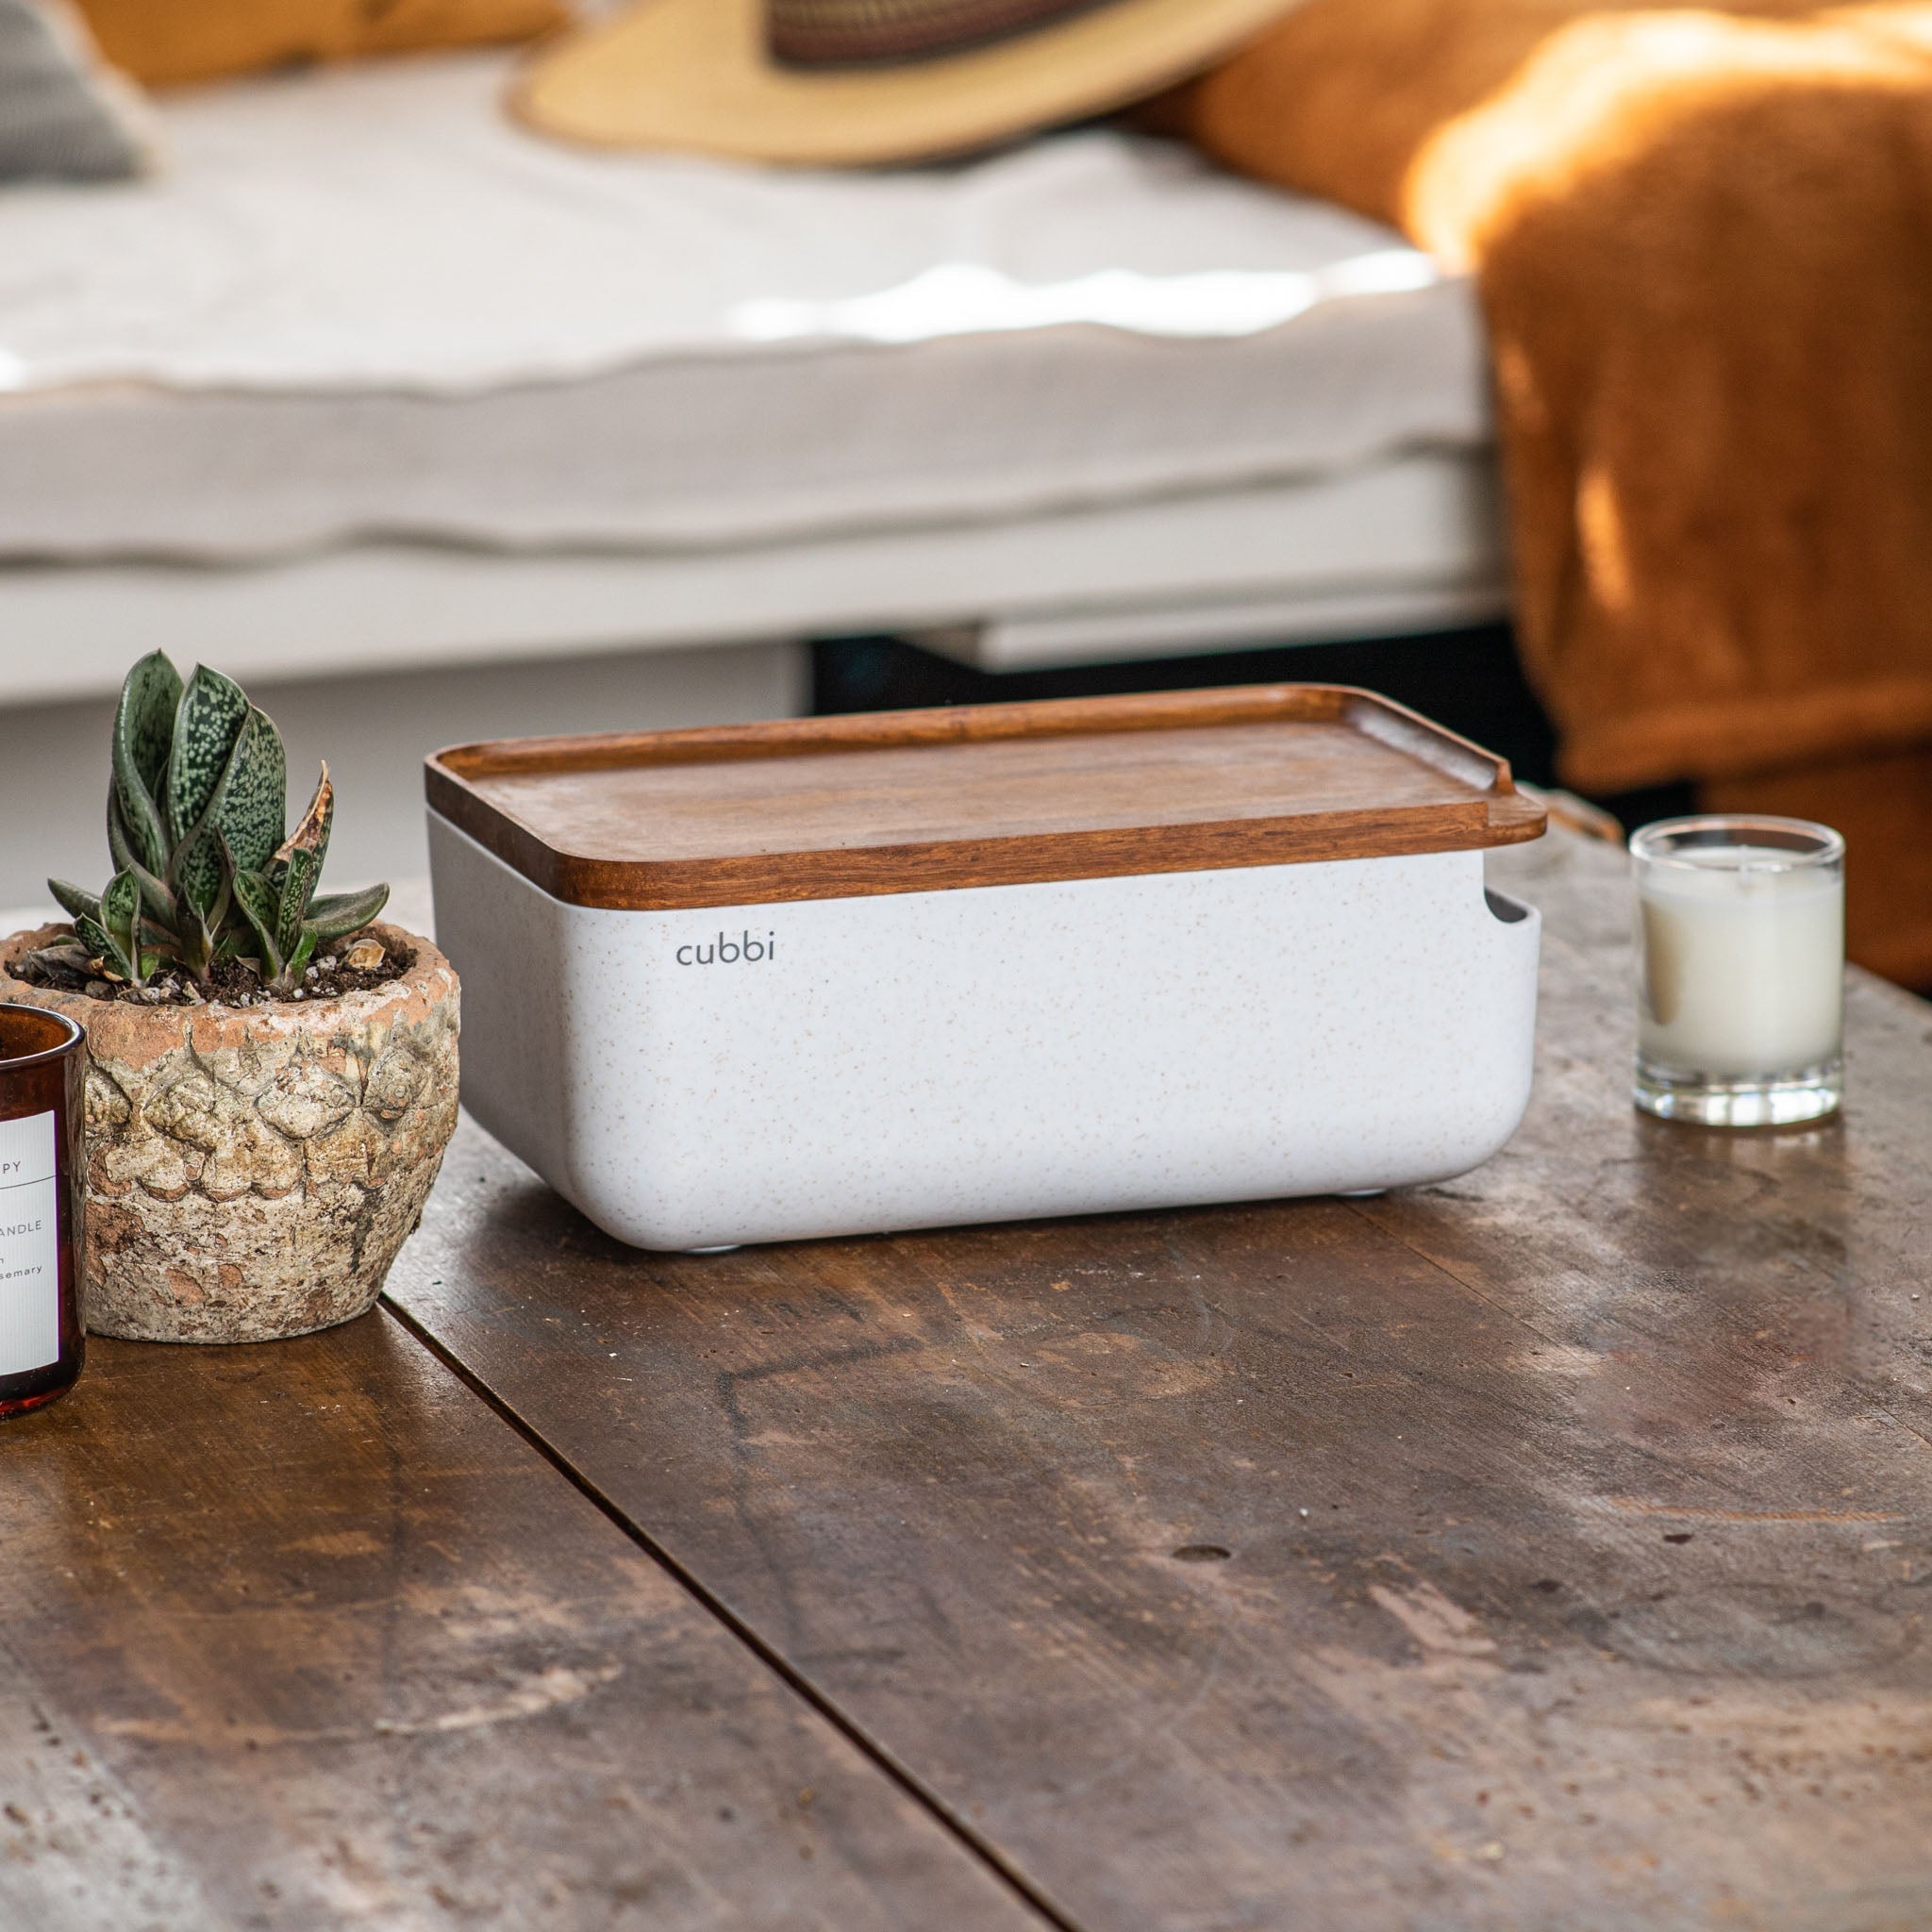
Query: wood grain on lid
{"type": "Point", "coordinates": [977, 795]}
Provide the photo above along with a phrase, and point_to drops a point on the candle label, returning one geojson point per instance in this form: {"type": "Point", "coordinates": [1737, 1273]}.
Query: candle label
{"type": "Point", "coordinates": [29, 1247]}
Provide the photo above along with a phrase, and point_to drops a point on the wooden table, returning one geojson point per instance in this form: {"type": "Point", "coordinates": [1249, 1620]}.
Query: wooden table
{"type": "Point", "coordinates": [1551, 1549]}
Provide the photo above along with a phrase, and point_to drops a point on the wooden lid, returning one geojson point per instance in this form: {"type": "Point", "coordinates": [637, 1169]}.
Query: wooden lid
{"type": "Point", "coordinates": [977, 795]}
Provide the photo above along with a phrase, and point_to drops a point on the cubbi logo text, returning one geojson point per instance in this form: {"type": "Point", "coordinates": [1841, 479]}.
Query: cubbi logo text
{"type": "Point", "coordinates": [725, 950]}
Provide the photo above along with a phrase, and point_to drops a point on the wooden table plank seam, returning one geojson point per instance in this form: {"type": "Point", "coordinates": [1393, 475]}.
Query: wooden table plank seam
{"type": "Point", "coordinates": [304, 1636]}
{"type": "Point", "coordinates": [972, 1842]}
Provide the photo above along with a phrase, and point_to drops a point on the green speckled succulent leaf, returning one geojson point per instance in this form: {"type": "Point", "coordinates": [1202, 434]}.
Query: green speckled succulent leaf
{"type": "Point", "coordinates": [155, 897]}
{"type": "Point", "coordinates": [301, 871]}
{"type": "Point", "coordinates": [100, 945]}
{"type": "Point", "coordinates": [197, 876]}
{"type": "Point", "coordinates": [113, 938]}
{"type": "Point", "coordinates": [260, 904]}
{"type": "Point", "coordinates": [256, 795]}
{"type": "Point", "coordinates": [339, 914]}
{"type": "Point", "coordinates": [207, 722]}
{"type": "Point", "coordinates": [143, 732]}
{"type": "Point", "coordinates": [120, 908]}
{"type": "Point", "coordinates": [74, 902]}
{"type": "Point", "coordinates": [305, 949]}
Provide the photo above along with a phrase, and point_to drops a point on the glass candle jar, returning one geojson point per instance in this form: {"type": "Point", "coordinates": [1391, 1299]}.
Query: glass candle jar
{"type": "Point", "coordinates": [43, 1187]}
{"type": "Point", "coordinates": [1740, 956]}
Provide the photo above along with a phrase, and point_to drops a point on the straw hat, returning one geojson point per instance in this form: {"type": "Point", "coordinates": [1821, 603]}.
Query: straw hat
{"type": "Point", "coordinates": [840, 82]}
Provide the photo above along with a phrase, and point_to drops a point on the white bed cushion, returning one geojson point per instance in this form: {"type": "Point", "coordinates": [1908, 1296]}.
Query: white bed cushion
{"type": "Point", "coordinates": [361, 303]}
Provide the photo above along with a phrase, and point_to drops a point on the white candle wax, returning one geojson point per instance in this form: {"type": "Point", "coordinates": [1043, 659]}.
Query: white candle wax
{"type": "Point", "coordinates": [1744, 961]}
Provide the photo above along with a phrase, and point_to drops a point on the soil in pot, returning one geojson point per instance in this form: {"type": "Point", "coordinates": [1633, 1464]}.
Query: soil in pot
{"type": "Point", "coordinates": [354, 966]}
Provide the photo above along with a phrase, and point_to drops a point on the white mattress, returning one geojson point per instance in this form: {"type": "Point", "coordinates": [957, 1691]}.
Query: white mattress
{"type": "Point", "coordinates": [358, 305]}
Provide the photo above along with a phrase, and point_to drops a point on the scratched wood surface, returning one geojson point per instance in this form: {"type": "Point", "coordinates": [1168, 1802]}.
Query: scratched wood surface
{"type": "Point", "coordinates": [1553, 1548]}
{"type": "Point", "coordinates": [304, 1637]}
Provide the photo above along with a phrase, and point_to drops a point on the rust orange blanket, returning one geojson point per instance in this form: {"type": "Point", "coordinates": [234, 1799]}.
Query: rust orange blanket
{"type": "Point", "coordinates": [1703, 239]}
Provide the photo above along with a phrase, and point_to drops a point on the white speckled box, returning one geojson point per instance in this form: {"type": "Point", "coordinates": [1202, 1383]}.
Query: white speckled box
{"type": "Point", "coordinates": [847, 975]}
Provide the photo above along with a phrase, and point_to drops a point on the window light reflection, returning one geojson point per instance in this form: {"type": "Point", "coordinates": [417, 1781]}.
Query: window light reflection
{"type": "Point", "coordinates": [970, 298]}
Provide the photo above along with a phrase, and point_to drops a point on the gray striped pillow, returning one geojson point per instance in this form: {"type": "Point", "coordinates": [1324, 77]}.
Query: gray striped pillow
{"type": "Point", "coordinates": [63, 115]}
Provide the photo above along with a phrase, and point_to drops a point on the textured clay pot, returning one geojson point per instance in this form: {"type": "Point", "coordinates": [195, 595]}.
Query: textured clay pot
{"type": "Point", "coordinates": [252, 1170]}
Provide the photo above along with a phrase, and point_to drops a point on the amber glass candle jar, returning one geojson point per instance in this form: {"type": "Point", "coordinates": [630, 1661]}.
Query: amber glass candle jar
{"type": "Point", "coordinates": [43, 1175]}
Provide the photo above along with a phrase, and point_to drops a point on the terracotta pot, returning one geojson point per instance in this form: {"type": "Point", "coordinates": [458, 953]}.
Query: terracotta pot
{"type": "Point", "coordinates": [252, 1170]}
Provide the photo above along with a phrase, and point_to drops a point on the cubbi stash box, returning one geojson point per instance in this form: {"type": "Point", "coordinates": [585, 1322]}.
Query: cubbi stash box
{"type": "Point", "coordinates": [847, 975]}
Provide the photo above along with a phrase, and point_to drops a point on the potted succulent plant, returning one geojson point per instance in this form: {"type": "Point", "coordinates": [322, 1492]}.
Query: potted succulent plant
{"type": "Point", "coordinates": [272, 1077]}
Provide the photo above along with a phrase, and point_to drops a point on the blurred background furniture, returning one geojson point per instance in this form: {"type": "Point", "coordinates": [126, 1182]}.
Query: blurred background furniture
{"type": "Point", "coordinates": [430, 430]}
